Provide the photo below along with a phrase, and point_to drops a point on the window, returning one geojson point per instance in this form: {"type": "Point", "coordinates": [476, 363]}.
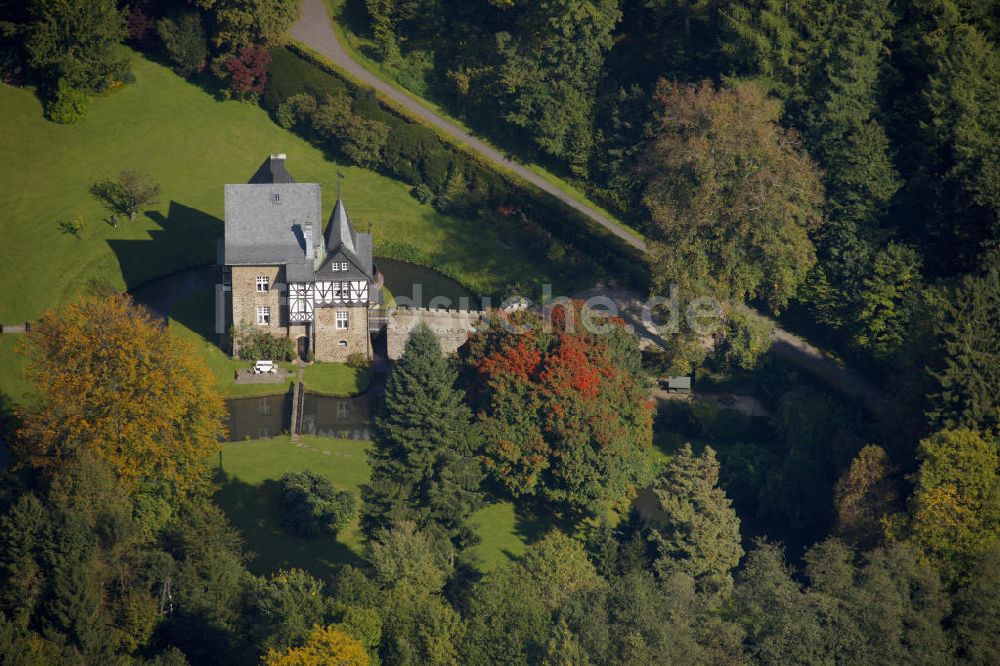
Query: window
{"type": "Point", "coordinates": [263, 283]}
{"type": "Point", "coordinates": [342, 344]}
{"type": "Point", "coordinates": [276, 198]}
{"type": "Point", "coordinates": [342, 319]}
{"type": "Point", "coordinates": [338, 289]}
{"type": "Point", "coordinates": [264, 315]}
{"type": "Point", "coordinates": [343, 410]}
{"type": "Point", "coordinates": [340, 266]}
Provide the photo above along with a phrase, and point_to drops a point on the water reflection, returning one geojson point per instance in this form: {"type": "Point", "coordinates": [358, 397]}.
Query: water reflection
{"type": "Point", "coordinates": [268, 416]}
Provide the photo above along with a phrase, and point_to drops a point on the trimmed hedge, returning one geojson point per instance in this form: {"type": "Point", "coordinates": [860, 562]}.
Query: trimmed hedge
{"type": "Point", "coordinates": [290, 75]}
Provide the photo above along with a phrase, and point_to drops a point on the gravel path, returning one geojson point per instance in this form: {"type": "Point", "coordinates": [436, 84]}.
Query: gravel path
{"type": "Point", "coordinates": [315, 29]}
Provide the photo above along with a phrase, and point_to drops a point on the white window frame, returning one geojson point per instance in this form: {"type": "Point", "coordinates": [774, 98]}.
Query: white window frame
{"type": "Point", "coordinates": [342, 344]}
{"type": "Point", "coordinates": [264, 315]}
{"type": "Point", "coordinates": [343, 410]}
{"type": "Point", "coordinates": [263, 284]}
{"type": "Point", "coordinates": [343, 266]}
{"type": "Point", "coordinates": [343, 319]}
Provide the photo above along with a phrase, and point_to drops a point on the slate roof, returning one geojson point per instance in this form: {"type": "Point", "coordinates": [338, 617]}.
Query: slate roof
{"type": "Point", "coordinates": [261, 232]}
{"type": "Point", "coordinates": [265, 223]}
{"type": "Point", "coordinates": [344, 243]}
{"type": "Point", "coordinates": [272, 171]}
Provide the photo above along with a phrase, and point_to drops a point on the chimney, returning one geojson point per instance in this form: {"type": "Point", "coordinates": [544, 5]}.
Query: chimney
{"type": "Point", "coordinates": [307, 231]}
{"type": "Point", "coordinates": [277, 159]}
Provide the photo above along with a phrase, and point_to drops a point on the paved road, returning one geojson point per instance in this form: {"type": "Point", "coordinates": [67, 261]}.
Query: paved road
{"type": "Point", "coordinates": [315, 29]}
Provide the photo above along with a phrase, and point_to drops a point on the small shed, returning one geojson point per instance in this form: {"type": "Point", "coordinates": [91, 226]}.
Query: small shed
{"type": "Point", "coordinates": [678, 384]}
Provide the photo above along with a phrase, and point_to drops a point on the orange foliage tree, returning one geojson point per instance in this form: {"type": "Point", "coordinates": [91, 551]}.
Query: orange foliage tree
{"type": "Point", "coordinates": [113, 383]}
{"type": "Point", "coordinates": [326, 647]}
{"type": "Point", "coordinates": [564, 414]}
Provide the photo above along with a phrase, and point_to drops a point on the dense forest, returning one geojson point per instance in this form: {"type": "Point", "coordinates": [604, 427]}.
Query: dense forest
{"type": "Point", "coordinates": [832, 164]}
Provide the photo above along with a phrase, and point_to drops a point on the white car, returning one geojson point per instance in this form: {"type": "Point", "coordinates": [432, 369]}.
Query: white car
{"type": "Point", "coordinates": [260, 367]}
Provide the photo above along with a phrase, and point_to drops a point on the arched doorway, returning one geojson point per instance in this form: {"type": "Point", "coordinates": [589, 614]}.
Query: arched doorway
{"type": "Point", "coordinates": [302, 346]}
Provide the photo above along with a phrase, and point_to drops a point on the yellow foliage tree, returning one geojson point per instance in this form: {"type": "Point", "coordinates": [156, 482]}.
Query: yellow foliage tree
{"type": "Point", "coordinates": [112, 382]}
{"type": "Point", "coordinates": [326, 647]}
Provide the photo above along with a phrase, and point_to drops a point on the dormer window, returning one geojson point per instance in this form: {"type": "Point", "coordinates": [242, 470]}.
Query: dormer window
{"type": "Point", "coordinates": [276, 198]}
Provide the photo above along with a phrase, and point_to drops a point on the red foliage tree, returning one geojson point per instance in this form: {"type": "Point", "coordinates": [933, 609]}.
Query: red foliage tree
{"type": "Point", "coordinates": [141, 25]}
{"type": "Point", "coordinates": [249, 70]}
{"type": "Point", "coordinates": [564, 413]}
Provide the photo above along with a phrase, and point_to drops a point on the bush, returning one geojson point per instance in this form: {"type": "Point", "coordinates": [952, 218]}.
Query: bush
{"type": "Point", "coordinates": [407, 149]}
{"type": "Point", "coordinates": [291, 75]}
{"type": "Point", "coordinates": [256, 344]}
{"type": "Point", "coordinates": [68, 105]}
{"type": "Point", "coordinates": [296, 110]}
{"type": "Point", "coordinates": [358, 360]}
{"type": "Point", "coordinates": [422, 193]}
{"type": "Point", "coordinates": [312, 505]}
{"type": "Point", "coordinates": [185, 42]}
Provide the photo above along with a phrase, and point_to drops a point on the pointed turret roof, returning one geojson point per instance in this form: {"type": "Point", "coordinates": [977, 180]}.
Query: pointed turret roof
{"type": "Point", "coordinates": [340, 231]}
{"type": "Point", "coordinates": [343, 241]}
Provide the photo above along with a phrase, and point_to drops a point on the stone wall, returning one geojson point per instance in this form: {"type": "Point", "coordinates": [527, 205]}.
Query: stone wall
{"type": "Point", "coordinates": [246, 298]}
{"type": "Point", "coordinates": [329, 337]}
{"type": "Point", "coordinates": [452, 327]}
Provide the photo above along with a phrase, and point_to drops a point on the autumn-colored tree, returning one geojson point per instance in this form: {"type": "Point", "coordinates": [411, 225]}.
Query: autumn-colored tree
{"type": "Point", "coordinates": [112, 382]}
{"type": "Point", "coordinates": [326, 647]}
{"type": "Point", "coordinates": [864, 495]}
{"type": "Point", "coordinates": [731, 195]}
{"type": "Point", "coordinates": [955, 506]}
{"type": "Point", "coordinates": [563, 419]}
{"type": "Point", "coordinates": [249, 70]}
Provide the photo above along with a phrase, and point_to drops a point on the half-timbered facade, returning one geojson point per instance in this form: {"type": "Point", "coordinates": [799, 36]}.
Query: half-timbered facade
{"type": "Point", "coordinates": [285, 274]}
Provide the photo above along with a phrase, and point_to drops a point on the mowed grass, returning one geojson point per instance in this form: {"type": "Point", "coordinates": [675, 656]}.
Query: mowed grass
{"type": "Point", "coordinates": [336, 379]}
{"type": "Point", "coordinates": [13, 385]}
{"type": "Point", "coordinates": [248, 496]}
{"type": "Point", "coordinates": [192, 320]}
{"type": "Point", "coordinates": [191, 144]}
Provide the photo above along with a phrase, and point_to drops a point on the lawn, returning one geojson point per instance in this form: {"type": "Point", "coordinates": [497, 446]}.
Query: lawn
{"type": "Point", "coordinates": [13, 385]}
{"type": "Point", "coordinates": [192, 320]}
{"type": "Point", "coordinates": [336, 379]}
{"type": "Point", "coordinates": [191, 143]}
{"type": "Point", "coordinates": [248, 496]}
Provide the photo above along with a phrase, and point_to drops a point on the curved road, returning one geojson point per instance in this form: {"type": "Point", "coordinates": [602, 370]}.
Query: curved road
{"type": "Point", "coordinates": [315, 29]}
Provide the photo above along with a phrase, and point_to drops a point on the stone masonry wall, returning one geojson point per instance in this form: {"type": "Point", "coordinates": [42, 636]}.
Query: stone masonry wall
{"type": "Point", "coordinates": [246, 298]}
{"type": "Point", "coordinates": [329, 337]}
{"type": "Point", "coordinates": [452, 328]}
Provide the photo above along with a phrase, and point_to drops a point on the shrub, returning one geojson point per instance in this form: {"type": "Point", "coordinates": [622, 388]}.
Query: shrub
{"type": "Point", "coordinates": [422, 193]}
{"type": "Point", "coordinates": [185, 42]}
{"type": "Point", "coordinates": [255, 344]}
{"type": "Point", "coordinates": [359, 139]}
{"type": "Point", "coordinates": [312, 505]}
{"type": "Point", "coordinates": [68, 105]}
{"type": "Point", "coordinates": [358, 360]}
{"type": "Point", "coordinates": [407, 149]}
{"type": "Point", "coordinates": [296, 110]}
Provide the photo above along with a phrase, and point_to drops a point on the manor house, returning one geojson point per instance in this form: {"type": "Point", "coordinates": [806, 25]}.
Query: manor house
{"type": "Point", "coordinates": [284, 274]}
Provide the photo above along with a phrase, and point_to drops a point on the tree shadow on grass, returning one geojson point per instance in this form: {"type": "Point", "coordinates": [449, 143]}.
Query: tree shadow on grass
{"type": "Point", "coordinates": [254, 510]}
{"type": "Point", "coordinates": [186, 238]}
